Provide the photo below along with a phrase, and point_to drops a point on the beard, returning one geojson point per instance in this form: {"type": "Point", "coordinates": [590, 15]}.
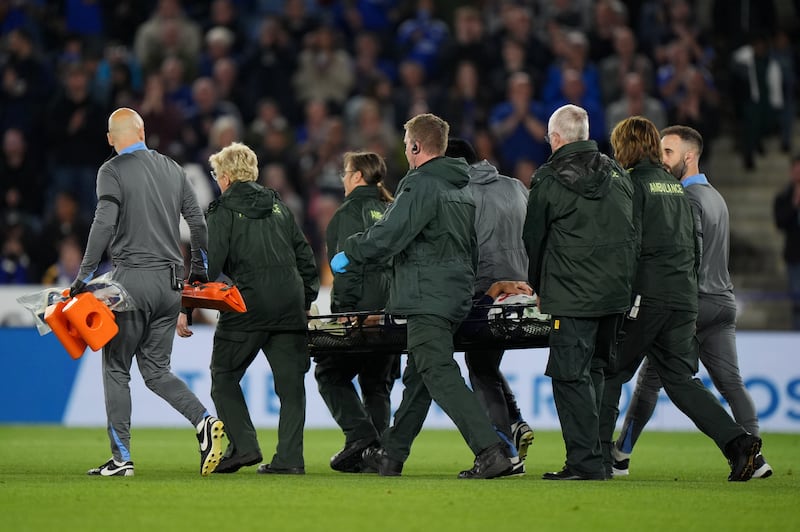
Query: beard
{"type": "Point", "coordinates": [678, 170]}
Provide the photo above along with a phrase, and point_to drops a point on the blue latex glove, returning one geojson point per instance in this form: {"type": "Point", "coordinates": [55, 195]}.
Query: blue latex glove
{"type": "Point", "coordinates": [339, 262]}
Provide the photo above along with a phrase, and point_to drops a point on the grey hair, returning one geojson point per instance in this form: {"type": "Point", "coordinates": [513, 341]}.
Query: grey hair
{"type": "Point", "coordinates": [570, 122]}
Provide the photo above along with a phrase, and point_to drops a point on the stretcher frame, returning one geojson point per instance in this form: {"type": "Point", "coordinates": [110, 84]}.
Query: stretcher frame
{"type": "Point", "coordinates": [504, 330]}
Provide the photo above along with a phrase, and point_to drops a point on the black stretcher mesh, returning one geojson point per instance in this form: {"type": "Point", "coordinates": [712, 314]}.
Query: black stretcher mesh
{"type": "Point", "coordinates": [501, 331]}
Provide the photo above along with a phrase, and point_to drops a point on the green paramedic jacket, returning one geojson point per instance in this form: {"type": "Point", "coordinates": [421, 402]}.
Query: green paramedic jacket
{"type": "Point", "coordinates": [667, 272]}
{"type": "Point", "coordinates": [429, 231]}
{"type": "Point", "coordinates": [579, 233]}
{"type": "Point", "coordinates": [253, 239]}
{"type": "Point", "coordinates": [364, 286]}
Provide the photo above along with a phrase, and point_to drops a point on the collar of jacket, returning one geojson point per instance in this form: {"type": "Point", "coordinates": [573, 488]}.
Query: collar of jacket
{"type": "Point", "coordinates": [364, 191]}
{"type": "Point", "coordinates": [573, 147]}
{"type": "Point", "coordinates": [647, 163]}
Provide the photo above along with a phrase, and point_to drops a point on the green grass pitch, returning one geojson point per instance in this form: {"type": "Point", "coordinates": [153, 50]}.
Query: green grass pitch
{"type": "Point", "coordinates": [678, 482]}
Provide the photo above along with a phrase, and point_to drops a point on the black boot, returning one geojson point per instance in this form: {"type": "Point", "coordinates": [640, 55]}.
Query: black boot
{"type": "Point", "coordinates": [349, 460]}
{"type": "Point", "coordinates": [741, 453]}
{"type": "Point", "coordinates": [490, 463]}
{"type": "Point", "coordinates": [377, 459]}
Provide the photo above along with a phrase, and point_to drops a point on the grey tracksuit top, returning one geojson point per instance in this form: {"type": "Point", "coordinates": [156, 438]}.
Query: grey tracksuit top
{"type": "Point", "coordinates": [711, 221]}
{"type": "Point", "coordinates": [500, 206]}
{"type": "Point", "coordinates": [141, 197]}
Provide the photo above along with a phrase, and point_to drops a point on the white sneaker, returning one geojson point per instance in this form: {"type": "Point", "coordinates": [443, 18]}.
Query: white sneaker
{"type": "Point", "coordinates": [112, 468]}
{"type": "Point", "coordinates": [761, 468]}
{"type": "Point", "coordinates": [210, 435]}
{"type": "Point", "coordinates": [522, 434]}
{"type": "Point", "coordinates": [622, 462]}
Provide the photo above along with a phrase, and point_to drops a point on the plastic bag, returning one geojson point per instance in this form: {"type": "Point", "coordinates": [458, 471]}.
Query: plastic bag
{"type": "Point", "coordinates": [110, 292]}
{"type": "Point", "coordinates": [516, 306]}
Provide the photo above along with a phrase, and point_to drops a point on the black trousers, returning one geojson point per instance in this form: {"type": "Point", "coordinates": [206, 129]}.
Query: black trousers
{"type": "Point", "coordinates": [359, 417]}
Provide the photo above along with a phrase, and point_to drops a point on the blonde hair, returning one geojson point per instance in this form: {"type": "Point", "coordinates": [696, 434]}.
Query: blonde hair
{"type": "Point", "coordinates": [430, 131]}
{"type": "Point", "coordinates": [372, 168]}
{"type": "Point", "coordinates": [237, 161]}
{"type": "Point", "coordinates": [636, 139]}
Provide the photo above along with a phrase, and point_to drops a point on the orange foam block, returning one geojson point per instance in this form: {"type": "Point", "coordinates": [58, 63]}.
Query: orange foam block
{"type": "Point", "coordinates": [218, 296]}
{"type": "Point", "coordinates": [66, 333]}
{"type": "Point", "coordinates": [92, 319]}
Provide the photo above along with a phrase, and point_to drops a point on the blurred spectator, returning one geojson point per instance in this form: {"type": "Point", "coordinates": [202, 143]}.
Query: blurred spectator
{"type": "Point", "coordinates": [369, 64]}
{"type": "Point", "coordinates": [635, 101]}
{"type": "Point", "coordinates": [26, 86]}
{"type": "Point", "coordinates": [268, 67]}
{"type": "Point", "coordinates": [572, 52]}
{"type": "Point", "coordinates": [674, 76]}
{"type": "Point", "coordinates": [207, 107]}
{"type": "Point", "coordinates": [374, 16]}
{"type": "Point", "coordinates": [324, 71]}
{"type": "Point", "coordinates": [369, 124]}
{"type": "Point", "coordinates": [22, 175]}
{"type": "Point", "coordinates": [226, 76]}
{"type": "Point", "coordinates": [218, 45]}
{"type": "Point", "coordinates": [652, 26]}
{"type": "Point", "coordinates": [468, 42]}
{"type": "Point", "coordinates": [512, 59]}
{"type": "Point", "coordinates": [787, 218]}
{"type": "Point", "coordinates": [168, 32]}
{"type": "Point", "coordinates": [274, 176]}
{"type": "Point", "coordinates": [519, 125]}
{"type": "Point", "coordinates": [421, 37]}
{"type": "Point", "coordinates": [518, 26]}
{"type": "Point", "coordinates": [414, 95]}
{"type": "Point", "coordinates": [268, 116]}
{"type": "Point", "coordinates": [681, 27]}
{"type": "Point", "coordinates": [321, 210]}
{"type": "Point", "coordinates": [15, 264]}
{"type": "Point", "coordinates": [176, 88]}
{"type": "Point", "coordinates": [761, 93]}
{"type": "Point", "coordinates": [76, 126]}
{"type": "Point", "coordinates": [66, 268]}
{"type": "Point", "coordinates": [524, 170]}
{"type": "Point", "coordinates": [699, 109]}
{"type": "Point", "coordinates": [64, 220]}
{"type": "Point", "coordinates": [787, 58]}
{"type": "Point", "coordinates": [225, 130]}
{"type": "Point", "coordinates": [485, 147]}
{"type": "Point", "coordinates": [608, 16]}
{"type": "Point", "coordinates": [162, 116]}
{"type": "Point", "coordinates": [321, 167]}
{"type": "Point", "coordinates": [298, 23]}
{"type": "Point", "coordinates": [466, 104]}
{"type": "Point", "coordinates": [571, 15]}
{"type": "Point", "coordinates": [84, 18]}
{"type": "Point", "coordinates": [121, 19]}
{"type": "Point", "coordinates": [224, 14]}
{"type": "Point", "coordinates": [311, 133]}
{"type": "Point", "coordinates": [117, 76]}
{"type": "Point", "coordinates": [573, 91]}
{"type": "Point", "coordinates": [625, 59]}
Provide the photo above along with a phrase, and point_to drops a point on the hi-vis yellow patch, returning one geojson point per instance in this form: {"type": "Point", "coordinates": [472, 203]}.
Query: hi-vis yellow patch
{"type": "Point", "coordinates": [556, 324]}
{"type": "Point", "coordinates": [666, 188]}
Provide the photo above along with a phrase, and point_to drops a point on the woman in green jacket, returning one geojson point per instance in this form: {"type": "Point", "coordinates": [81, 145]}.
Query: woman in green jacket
{"type": "Point", "coordinates": [254, 240]}
{"type": "Point", "coordinates": [363, 287]}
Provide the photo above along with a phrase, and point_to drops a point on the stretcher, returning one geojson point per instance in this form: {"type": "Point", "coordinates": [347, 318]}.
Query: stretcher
{"type": "Point", "coordinates": [487, 327]}
{"type": "Point", "coordinates": [217, 296]}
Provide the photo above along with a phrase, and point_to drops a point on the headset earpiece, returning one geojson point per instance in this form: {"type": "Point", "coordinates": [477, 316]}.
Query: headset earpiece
{"type": "Point", "coordinates": [415, 148]}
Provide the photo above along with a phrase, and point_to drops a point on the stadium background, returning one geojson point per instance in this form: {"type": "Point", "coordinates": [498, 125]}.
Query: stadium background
{"type": "Point", "coordinates": [304, 81]}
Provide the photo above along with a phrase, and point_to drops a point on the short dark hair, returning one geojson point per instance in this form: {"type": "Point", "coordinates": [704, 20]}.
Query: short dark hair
{"type": "Point", "coordinates": [686, 134]}
{"type": "Point", "coordinates": [457, 147]}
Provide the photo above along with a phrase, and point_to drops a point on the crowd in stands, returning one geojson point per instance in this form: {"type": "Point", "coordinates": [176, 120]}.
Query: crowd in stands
{"type": "Point", "coordinates": [304, 81]}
